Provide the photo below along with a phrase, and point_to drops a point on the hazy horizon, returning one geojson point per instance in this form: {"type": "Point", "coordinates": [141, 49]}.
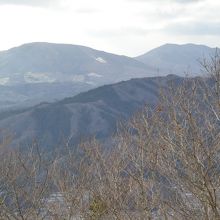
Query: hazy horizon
{"type": "Point", "coordinates": [109, 51]}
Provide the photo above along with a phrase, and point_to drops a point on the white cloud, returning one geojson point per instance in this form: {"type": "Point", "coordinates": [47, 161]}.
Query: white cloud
{"type": "Point", "coordinates": [41, 3]}
{"type": "Point", "coordinates": [120, 26]}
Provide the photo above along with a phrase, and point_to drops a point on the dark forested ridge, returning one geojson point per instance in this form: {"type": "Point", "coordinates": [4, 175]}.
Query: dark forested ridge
{"type": "Point", "coordinates": [95, 112]}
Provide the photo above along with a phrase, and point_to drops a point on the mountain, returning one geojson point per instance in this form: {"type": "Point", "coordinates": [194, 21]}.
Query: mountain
{"type": "Point", "coordinates": [95, 112]}
{"type": "Point", "coordinates": [27, 70]}
{"type": "Point", "coordinates": [177, 59]}
{"type": "Point", "coordinates": [46, 72]}
{"type": "Point", "coordinates": [47, 62]}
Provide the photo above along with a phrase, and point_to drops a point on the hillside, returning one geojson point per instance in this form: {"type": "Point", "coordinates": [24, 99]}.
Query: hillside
{"type": "Point", "coordinates": [95, 112]}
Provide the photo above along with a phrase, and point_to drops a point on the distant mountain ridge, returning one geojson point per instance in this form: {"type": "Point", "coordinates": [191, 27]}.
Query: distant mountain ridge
{"type": "Point", "coordinates": [177, 59]}
{"type": "Point", "coordinates": [39, 72]}
{"type": "Point", "coordinates": [47, 62]}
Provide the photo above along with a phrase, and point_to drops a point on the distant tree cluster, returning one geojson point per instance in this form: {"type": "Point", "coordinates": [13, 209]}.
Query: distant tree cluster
{"type": "Point", "coordinates": [163, 164]}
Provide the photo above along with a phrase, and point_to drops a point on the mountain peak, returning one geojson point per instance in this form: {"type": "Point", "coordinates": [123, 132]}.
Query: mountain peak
{"type": "Point", "coordinates": [177, 58]}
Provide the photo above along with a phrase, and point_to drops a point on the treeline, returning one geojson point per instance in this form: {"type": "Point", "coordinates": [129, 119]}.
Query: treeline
{"type": "Point", "coordinates": [163, 164]}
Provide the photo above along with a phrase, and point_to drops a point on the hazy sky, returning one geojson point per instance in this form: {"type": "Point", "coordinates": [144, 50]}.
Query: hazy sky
{"type": "Point", "coordinates": [129, 27]}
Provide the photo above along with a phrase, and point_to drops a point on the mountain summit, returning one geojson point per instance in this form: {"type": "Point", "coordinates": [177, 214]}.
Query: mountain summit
{"type": "Point", "coordinates": [47, 62]}
{"type": "Point", "coordinates": [177, 59]}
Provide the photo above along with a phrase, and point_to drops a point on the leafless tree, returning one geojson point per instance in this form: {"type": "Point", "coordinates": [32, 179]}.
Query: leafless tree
{"type": "Point", "coordinates": [25, 184]}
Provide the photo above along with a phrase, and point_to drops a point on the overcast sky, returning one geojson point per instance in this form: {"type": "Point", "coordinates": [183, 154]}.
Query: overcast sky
{"type": "Point", "coordinates": [129, 27]}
